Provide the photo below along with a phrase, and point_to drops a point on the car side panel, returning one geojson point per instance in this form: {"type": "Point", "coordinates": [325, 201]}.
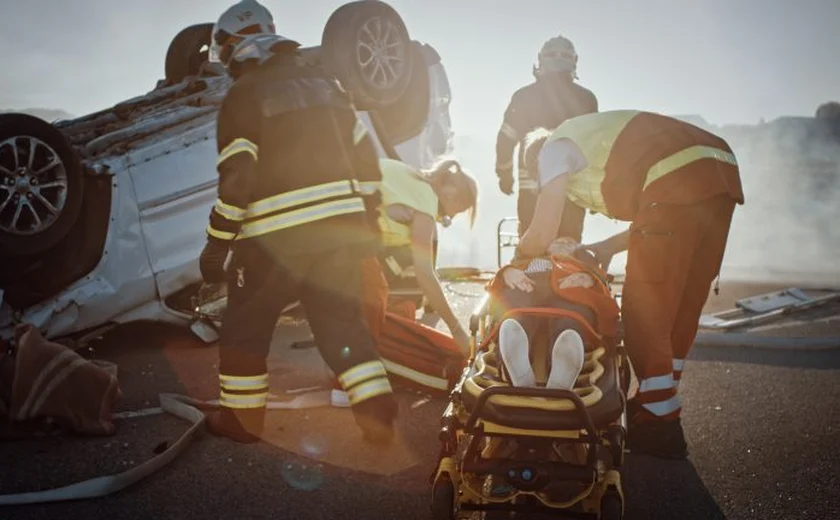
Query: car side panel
{"type": "Point", "coordinates": [176, 184]}
{"type": "Point", "coordinates": [120, 283]}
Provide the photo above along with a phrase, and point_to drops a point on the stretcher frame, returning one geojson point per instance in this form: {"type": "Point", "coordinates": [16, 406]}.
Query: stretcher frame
{"type": "Point", "coordinates": [466, 436]}
{"type": "Point", "coordinates": [505, 239]}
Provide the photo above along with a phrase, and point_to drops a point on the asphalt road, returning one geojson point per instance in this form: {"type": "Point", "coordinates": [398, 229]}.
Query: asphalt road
{"type": "Point", "coordinates": [760, 424]}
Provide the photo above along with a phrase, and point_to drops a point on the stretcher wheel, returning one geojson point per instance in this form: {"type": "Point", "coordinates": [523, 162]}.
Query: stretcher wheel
{"type": "Point", "coordinates": [443, 499]}
{"type": "Point", "coordinates": [612, 506]}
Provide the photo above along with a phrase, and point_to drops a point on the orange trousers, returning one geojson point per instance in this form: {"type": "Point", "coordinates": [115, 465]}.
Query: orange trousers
{"type": "Point", "coordinates": [415, 354]}
{"type": "Point", "coordinates": [375, 298]}
{"type": "Point", "coordinates": [674, 255]}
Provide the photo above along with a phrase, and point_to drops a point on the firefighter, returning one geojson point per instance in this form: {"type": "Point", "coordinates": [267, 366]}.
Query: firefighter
{"type": "Point", "coordinates": [298, 183]}
{"type": "Point", "coordinates": [550, 100]}
{"type": "Point", "coordinates": [678, 186]}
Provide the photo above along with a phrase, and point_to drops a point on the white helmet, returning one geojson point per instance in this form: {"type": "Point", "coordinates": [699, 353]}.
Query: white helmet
{"type": "Point", "coordinates": [258, 47]}
{"type": "Point", "coordinates": [557, 55]}
{"type": "Point", "coordinates": [246, 18]}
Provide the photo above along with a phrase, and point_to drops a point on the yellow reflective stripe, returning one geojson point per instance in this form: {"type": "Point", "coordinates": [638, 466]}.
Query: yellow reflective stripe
{"type": "Point", "coordinates": [509, 131]}
{"type": "Point", "coordinates": [300, 217]}
{"type": "Point", "coordinates": [243, 382]}
{"type": "Point", "coordinates": [369, 187]}
{"type": "Point", "coordinates": [663, 408]}
{"type": "Point", "coordinates": [504, 166]}
{"type": "Point", "coordinates": [653, 384]}
{"type": "Point", "coordinates": [361, 372]}
{"type": "Point", "coordinates": [369, 389]}
{"type": "Point", "coordinates": [359, 132]}
{"type": "Point", "coordinates": [221, 235]}
{"type": "Point", "coordinates": [228, 211]}
{"type": "Point", "coordinates": [237, 146]}
{"type": "Point", "coordinates": [395, 267]}
{"type": "Point", "coordinates": [687, 156]}
{"type": "Point", "coordinates": [528, 185]}
{"type": "Point", "coordinates": [301, 196]}
{"type": "Point", "coordinates": [418, 377]}
{"type": "Point", "coordinates": [239, 401]}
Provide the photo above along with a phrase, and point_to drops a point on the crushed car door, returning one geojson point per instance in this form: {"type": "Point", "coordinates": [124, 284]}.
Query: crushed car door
{"type": "Point", "coordinates": [174, 176]}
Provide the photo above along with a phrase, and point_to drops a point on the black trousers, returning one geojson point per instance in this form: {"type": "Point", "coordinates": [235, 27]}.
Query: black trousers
{"type": "Point", "coordinates": [541, 297]}
{"type": "Point", "coordinates": [261, 284]}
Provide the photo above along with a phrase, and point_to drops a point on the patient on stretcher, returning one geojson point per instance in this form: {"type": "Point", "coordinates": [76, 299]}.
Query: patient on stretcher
{"type": "Point", "coordinates": [566, 278]}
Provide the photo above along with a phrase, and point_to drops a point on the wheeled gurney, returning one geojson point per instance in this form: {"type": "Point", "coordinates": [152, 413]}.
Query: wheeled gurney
{"type": "Point", "coordinates": [528, 450]}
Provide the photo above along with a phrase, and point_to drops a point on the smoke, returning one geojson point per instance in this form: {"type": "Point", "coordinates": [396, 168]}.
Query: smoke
{"type": "Point", "coordinates": [790, 171]}
{"type": "Point", "coordinates": [788, 227]}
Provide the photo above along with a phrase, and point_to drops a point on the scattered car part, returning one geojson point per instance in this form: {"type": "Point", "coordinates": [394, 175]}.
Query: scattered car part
{"type": "Point", "coordinates": [764, 308]}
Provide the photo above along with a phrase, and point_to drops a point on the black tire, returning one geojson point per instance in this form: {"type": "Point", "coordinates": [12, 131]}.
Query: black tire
{"type": "Point", "coordinates": [406, 117]}
{"type": "Point", "coordinates": [187, 52]}
{"type": "Point", "coordinates": [443, 499]}
{"type": "Point", "coordinates": [343, 51]}
{"type": "Point", "coordinates": [50, 144]}
{"type": "Point", "coordinates": [612, 507]}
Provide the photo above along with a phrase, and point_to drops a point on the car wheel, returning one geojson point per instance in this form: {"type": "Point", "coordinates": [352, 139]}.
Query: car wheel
{"type": "Point", "coordinates": [612, 506]}
{"type": "Point", "coordinates": [443, 499]}
{"type": "Point", "coordinates": [406, 117]}
{"type": "Point", "coordinates": [41, 185]}
{"type": "Point", "coordinates": [187, 52]}
{"type": "Point", "coordinates": [366, 46]}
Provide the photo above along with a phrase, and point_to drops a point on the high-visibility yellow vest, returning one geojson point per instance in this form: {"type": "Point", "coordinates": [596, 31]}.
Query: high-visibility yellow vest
{"type": "Point", "coordinates": [596, 134]}
{"type": "Point", "coordinates": [401, 185]}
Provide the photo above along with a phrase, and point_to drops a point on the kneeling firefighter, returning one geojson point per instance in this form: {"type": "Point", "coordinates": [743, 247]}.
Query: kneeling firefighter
{"type": "Point", "coordinates": [678, 186]}
{"type": "Point", "coordinates": [298, 191]}
{"type": "Point", "coordinates": [412, 203]}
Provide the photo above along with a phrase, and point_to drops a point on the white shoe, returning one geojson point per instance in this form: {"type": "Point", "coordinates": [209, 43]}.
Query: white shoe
{"type": "Point", "coordinates": [567, 359]}
{"type": "Point", "coordinates": [513, 345]}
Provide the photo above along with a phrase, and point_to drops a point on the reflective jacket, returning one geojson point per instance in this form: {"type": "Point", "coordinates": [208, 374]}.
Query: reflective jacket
{"type": "Point", "coordinates": [297, 170]}
{"type": "Point", "coordinates": [401, 185]}
{"type": "Point", "coordinates": [636, 158]}
{"type": "Point", "coordinates": [543, 104]}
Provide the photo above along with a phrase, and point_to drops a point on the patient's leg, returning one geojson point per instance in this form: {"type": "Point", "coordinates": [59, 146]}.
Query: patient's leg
{"type": "Point", "coordinates": [517, 333]}
{"type": "Point", "coordinates": [562, 323]}
{"type": "Point", "coordinates": [568, 351]}
{"type": "Point", "coordinates": [514, 348]}
{"type": "Point", "coordinates": [509, 299]}
{"type": "Point", "coordinates": [567, 358]}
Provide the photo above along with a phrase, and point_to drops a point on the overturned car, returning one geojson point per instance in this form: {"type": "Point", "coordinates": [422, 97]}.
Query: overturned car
{"type": "Point", "coordinates": [102, 217]}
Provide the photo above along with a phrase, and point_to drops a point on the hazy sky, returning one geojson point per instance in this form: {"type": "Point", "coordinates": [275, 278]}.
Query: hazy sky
{"type": "Point", "coordinates": [730, 60]}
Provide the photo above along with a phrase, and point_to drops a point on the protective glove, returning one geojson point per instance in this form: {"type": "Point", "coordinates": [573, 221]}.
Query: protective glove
{"type": "Point", "coordinates": [212, 262]}
{"type": "Point", "coordinates": [506, 185]}
{"type": "Point", "coordinates": [517, 279]}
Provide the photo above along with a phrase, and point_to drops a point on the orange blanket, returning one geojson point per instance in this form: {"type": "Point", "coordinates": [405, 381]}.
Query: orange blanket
{"type": "Point", "coordinates": [51, 382]}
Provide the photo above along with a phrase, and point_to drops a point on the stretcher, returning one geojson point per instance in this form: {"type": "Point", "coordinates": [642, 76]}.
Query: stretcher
{"type": "Point", "coordinates": [532, 450]}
